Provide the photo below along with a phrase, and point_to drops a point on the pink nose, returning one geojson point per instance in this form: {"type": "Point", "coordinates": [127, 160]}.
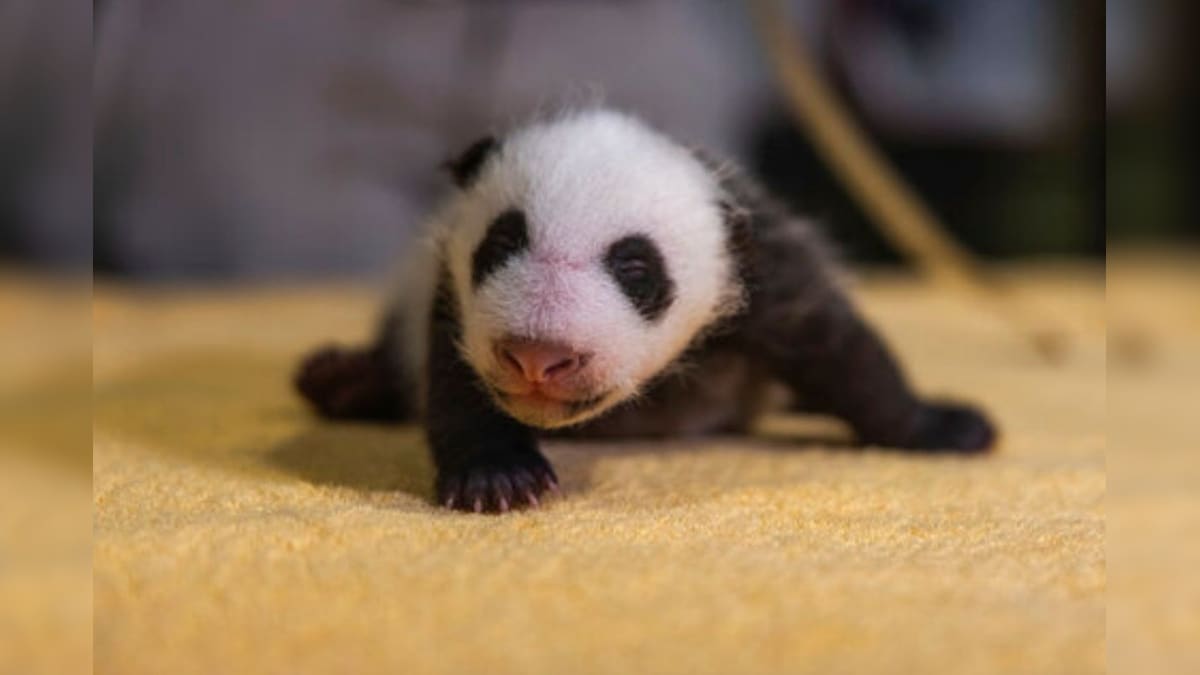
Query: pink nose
{"type": "Point", "coordinates": [539, 361]}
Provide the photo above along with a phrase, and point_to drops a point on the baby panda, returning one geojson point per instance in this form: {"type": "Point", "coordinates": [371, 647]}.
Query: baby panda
{"type": "Point", "coordinates": [591, 277]}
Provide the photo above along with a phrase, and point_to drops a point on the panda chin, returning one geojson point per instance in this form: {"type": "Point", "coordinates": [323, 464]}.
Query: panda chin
{"type": "Point", "coordinates": [545, 412]}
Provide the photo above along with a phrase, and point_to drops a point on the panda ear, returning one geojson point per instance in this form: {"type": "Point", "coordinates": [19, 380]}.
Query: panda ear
{"type": "Point", "coordinates": [465, 168]}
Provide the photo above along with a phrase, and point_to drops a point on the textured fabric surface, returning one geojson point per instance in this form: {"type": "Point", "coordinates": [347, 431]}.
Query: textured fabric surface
{"type": "Point", "coordinates": [235, 533]}
{"type": "Point", "coordinates": [1153, 504]}
{"type": "Point", "coordinates": [45, 477]}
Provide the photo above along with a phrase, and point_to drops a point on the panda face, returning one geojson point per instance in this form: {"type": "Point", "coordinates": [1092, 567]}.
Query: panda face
{"type": "Point", "coordinates": [585, 254]}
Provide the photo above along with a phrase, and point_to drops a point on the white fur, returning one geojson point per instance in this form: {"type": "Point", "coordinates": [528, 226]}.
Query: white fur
{"type": "Point", "coordinates": [584, 180]}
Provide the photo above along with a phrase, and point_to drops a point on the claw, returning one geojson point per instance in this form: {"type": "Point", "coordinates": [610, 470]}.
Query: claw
{"type": "Point", "coordinates": [503, 505]}
{"type": "Point", "coordinates": [450, 502]}
{"type": "Point", "coordinates": [531, 498]}
{"type": "Point", "coordinates": [478, 505]}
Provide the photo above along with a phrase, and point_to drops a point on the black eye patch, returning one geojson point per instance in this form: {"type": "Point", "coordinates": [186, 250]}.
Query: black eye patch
{"type": "Point", "coordinates": [506, 237]}
{"type": "Point", "coordinates": [638, 267]}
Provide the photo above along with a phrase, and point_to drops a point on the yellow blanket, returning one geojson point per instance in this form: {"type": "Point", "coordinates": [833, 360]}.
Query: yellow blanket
{"type": "Point", "coordinates": [235, 533]}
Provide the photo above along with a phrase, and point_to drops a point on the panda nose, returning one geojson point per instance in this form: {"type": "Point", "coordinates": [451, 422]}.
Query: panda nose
{"type": "Point", "coordinates": [539, 361]}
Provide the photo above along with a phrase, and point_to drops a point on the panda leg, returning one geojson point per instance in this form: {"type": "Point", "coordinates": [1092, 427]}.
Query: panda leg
{"type": "Point", "coordinates": [486, 461]}
{"type": "Point", "coordinates": [838, 365]}
{"type": "Point", "coordinates": [359, 383]}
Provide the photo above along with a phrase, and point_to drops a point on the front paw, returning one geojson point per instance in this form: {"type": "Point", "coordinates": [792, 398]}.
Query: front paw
{"type": "Point", "coordinates": [497, 486]}
{"type": "Point", "coordinates": [952, 427]}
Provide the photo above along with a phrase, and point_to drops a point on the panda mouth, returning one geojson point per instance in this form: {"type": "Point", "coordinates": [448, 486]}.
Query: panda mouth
{"type": "Point", "coordinates": [538, 399]}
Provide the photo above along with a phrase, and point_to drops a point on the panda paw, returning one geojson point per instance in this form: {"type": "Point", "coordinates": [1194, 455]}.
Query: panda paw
{"type": "Point", "coordinates": [350, 384]}
{"type": "Point", "coordinates": [498, 486]}
{"type": "Point", "coordinates": [952, 427]}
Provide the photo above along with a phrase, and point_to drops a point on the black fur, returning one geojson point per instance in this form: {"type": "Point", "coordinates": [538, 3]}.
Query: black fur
{"type": "Point", "coordinates": [638, 266]}
{"type": "Point", "coordinates": [466, 167]}
{"type": "Point", "coordinates": [365, 384]}
{"type": "Point", "coordinates": [507, 236]}
{"type": "Point", "coordinates": [805, 332]}
{"type": "Point", "coordinates": [486, 461]}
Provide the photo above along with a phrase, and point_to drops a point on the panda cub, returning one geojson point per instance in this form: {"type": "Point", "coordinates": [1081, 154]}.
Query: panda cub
{"type": "Point", "coordinates": [591, 277]}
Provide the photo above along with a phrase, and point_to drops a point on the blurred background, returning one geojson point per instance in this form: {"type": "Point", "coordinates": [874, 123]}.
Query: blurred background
{"type": "Point", "coordinates": [257, 139]}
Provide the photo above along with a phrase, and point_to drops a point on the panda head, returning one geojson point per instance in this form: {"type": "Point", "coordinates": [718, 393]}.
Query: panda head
{"type": "Point", "coordinates": [585, 253]}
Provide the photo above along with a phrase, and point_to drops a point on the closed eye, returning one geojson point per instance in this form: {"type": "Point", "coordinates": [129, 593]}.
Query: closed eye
{"type": "Point", "coordinates": [507, 236]}
{"type": "Point", "coordinates": [637, 266]}
{"type": "Point", "coordinates": [507, 244]}
{"type": "Point", "coordinates": [634, 269]}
